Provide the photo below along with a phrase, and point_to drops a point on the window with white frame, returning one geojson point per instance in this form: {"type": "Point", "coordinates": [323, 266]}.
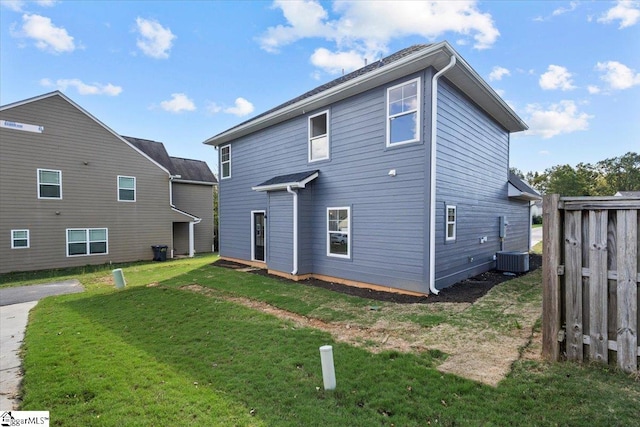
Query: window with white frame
{"type": "Point", "coordinates": [19, 239]}
{"type": "Point", "coordinates": [126, 188]}
{"type": "Point", "coordinates": [49, 184]}
{"type": "Point", "coordinates": [451, 222]}
{"type": "Point", "coordinates": [403, 113]}
{"type": "Point", "coordinates": [87, 241]}
{"type": "Point", "coordinates": [225, 161]}
{"type": "Point", "coordinates": [319, 136]}
{"type": "Point", "coordinates": [338, 232]}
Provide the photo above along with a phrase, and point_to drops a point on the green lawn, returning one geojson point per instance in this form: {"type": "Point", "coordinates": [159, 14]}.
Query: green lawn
{"type": "Point", "coordinates": [159, 355]}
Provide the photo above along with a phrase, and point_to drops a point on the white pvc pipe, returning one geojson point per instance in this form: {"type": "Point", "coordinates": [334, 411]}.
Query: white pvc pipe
{"type": "Point", "coordinates": [328, 370]}
{"type": "Point", "coordinates": [432, 176]}
{"type": "Point", "coordinates": [295, 229]}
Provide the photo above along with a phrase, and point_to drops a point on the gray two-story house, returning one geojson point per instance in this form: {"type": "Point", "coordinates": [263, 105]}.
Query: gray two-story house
{"type": "Point", "coordinates": [393, 177]}
{"type": "Point", "coordinates": [74, 192]}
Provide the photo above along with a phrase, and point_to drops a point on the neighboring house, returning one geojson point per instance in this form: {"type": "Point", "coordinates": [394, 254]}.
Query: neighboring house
{"type": "Point", "coordinates": [349, 183]}
{"type": "Point", "coordinates": [74, 192]}
{"type": "Point", "coordinates": [192, 185]}
{"type": "Point", "coordinates": [628, 194]}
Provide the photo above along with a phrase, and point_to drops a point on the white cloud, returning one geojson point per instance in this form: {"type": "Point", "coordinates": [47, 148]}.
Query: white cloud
{"type": "Point", "coordinates": [560, 118]}
{"type": "Point", "coordinates": [627, 11]}
{"type": "Point", "coordinates": [15, 5]}
{"type": "Point", "coordinates": [593, 89]}
{"type": "Point", "coordinates": [556, 77]}
{"type": "Point", "coordinates": [544, 152]}
{"type": "Point", "coordinates": [179, 102]}
{"type": "Point", "coordinates": [562, 10]}
{"type": "Point", "coordinates": [213, 108]}
{"type": "Point", "coordinates": [47, 36]}
{"type": "Point", "coordinates": [366, 28]}
{"type": "Point", "coordinates": [155, 40]}
{"type": "Point", "coordinates": [335, 63]}
{"type": "Point", "coordinates": [497, 73]}
{"type": "Point", "coordinates": [83, 88]}
{"type": "Point", "coordinates": [618, 76]}
{"type": "Point", "coordinates": [242, 108]}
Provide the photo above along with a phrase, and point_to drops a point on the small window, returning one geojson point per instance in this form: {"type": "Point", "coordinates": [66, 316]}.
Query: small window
{"type": "Point", "coordinates": [87, 241]}
{"type": "Point", "coordinates": [126, 189]}
{"type": "Point", "coordinates": [338, 234]}
{"type": "Point", "coordinates": [19, 239]}
{"type": "Point", "coordinates": [49, 184]}
{"type": "Point", "coordinates": [403, 113]}
{"type": "Point", "coordinates": [319, 137]}
{"type": "Point", "coordinates": [225, 161]}
{"type": "Point", "coordinates": [451, 222]}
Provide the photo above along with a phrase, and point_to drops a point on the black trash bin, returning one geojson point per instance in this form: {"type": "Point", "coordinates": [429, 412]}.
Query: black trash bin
{"type": "Point", "coordinates": [159, 252]}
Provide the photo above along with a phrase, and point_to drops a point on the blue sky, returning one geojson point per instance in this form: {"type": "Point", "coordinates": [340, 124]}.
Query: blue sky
{"type": "Point", "coordinates": [180, 72]}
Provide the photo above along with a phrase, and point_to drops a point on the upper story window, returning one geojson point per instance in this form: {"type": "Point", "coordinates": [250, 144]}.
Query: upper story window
{"type": "Point", "coordinates": [225, 161]}
{"type": "Point", "coordinates": [451, 223]}
{"type": "Point", "coordinates": [403, 113]}
{"type": "Point", "coordinates": [319, 136]}
{"type": "Point", "coordinates": [49, 184]}
{"type": "Point", "coordinates": [19, 239]}
{"type": "Point", "coordinates": [338, 234]}
{"type": "Point", "coordinates": [87, 241]}
{"type": "Point", "coordinates": [126, 188]}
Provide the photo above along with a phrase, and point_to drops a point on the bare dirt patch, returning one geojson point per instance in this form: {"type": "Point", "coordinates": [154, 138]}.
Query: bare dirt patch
{"type": "Point", "coordinates": [479, 348]}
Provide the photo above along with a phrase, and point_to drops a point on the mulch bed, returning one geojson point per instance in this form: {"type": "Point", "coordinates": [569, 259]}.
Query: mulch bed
{"type": "Point", "coordinates": [468, 290]}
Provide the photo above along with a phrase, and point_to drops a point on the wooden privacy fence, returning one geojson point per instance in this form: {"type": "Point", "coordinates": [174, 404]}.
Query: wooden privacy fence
{"type": "Point", "coordinates": [590, 279]}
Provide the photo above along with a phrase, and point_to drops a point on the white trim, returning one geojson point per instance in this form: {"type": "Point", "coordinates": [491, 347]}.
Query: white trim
{"type": "Point", "coordinates": [88, 241]}
{"type": "Point", "coordinates": [285, 185]}
{"type": "Point", "coordinates": [253, 237]}
{"type": "Point", "coordinates": [447, 223]}
{"type": "Point", "coordinates": [418, 112]}
{"type": "Point", "coordinates": [13, 239]}
{"type": "Point", "coordinates": [59, 183]}
{"type": "Point", "coordinates": [226, 161]}
{"type": "Point", "coordinates": [135, 188]}
{"type": "Point", "coordinates": [326, 135]}
{"type": "Point", "coordinates": [348, 233]}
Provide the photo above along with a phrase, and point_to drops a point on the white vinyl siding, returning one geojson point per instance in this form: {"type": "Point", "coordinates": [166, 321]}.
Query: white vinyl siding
{"type": "Point", "coordinates": [49, 184]}
{"type": "Point", "coordinates": [19, 239]}
{"type": "Point", "coordinates": [126, 189]}
{"type": "Point", "coordinates": [403, 113]}
{"type": "Point", "coordinates": [87, 241]}
{"type": "Point", "coordinates": [225, 161]}
{"type": "Point", "coordinates": [451, 219]}
{"type": "Point", "coordinates": [338, 232]}
{"type": "Point", "coordinates": [319, 136]}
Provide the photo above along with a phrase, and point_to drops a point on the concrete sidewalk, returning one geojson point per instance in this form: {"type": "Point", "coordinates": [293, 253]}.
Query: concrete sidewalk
{"type": "Point", "coordinates": [15, 304]}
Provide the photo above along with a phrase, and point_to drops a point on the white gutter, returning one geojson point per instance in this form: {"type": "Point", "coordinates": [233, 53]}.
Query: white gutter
{"type": "Point", "coordinates": [432, 176]}
{"type": "Point", "coordinates": [295, 230]}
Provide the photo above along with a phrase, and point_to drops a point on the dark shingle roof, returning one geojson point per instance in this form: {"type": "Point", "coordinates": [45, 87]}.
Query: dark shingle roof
{"type": "Point", "coordinates": [188, 169]}
{"type": "Point", "coordinates": [521, 185]}
{"type": "Point", "coordinates": [285, 179]}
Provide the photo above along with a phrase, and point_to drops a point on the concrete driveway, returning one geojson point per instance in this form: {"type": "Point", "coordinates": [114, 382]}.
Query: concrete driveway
{"type": "Point", "coordinates": [536, 236]}
{"type": "Point", "coordinates": [15, 304]}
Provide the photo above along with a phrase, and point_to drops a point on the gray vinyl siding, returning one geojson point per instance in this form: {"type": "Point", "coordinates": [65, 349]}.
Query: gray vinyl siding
{"type": "Point", "coordinates": [180, 238]}
{"type": "Point", "coordinates": [280, 226]}
{"type": "Point", "coordinates": [196, 199]}
{"type": "Point", "coordinates": [90, 159]}
{"type": "Point", "coordinates": [472, 173]}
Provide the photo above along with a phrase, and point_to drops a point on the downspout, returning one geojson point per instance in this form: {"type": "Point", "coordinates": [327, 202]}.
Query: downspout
{"type": "Point", "coordinates": [192, 248]}
{"type": "Point", "coordinates": [432, 176]}
{"type": "Point", "coordinates": [295, 229]}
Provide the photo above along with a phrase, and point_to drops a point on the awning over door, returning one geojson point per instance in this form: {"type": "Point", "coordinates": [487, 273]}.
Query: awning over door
{"type": "Point", "coordinates": [282, 182]}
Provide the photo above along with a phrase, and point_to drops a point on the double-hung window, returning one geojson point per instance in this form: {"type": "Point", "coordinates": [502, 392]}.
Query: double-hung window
{"type": "Point", "coordinates": [49, 184]}
{"type": "Point", "coordinates": [338, 232]}
{"type": "Point", "coordinates": [126, 188]}
{"type": "Point", "coordinates": [225, 161]}
{"type": "Point", "coordinates": [451, 223]}
{"type": "Point", "coordinates": [403, 113]}
{"type": "Point", "coordinates": [319, 136]}
{"type": "Point", "coordinates": [19, 239]}
{"type": "Point", "coordinates": [87, 241]}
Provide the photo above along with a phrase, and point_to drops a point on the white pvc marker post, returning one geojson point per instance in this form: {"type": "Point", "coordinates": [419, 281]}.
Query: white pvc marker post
{"type": "Point", "coordinates": [328, 371]}
{"type": "Point", "coordinates": [118, 278]}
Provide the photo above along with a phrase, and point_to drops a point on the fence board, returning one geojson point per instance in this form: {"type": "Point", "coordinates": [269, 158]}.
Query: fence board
{"type": "Point", "coordinates": [598, 285]}
{"type": "Point", "coordinates": [627, 318]}
{"type": "Point", "coordinates": [573, 283]}
{"type": "Point", "coordinates": [551, 312]}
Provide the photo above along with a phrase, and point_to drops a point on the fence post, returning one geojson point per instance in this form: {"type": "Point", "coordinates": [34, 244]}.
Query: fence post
{"type": "Point", "coordinates": [551, 311]}
{"type": "Point", "coordinates": [627, 319]}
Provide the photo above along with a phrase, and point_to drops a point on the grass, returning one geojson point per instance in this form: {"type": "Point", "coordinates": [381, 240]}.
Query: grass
{"type": "Point", "coordinates": [160, 356]}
